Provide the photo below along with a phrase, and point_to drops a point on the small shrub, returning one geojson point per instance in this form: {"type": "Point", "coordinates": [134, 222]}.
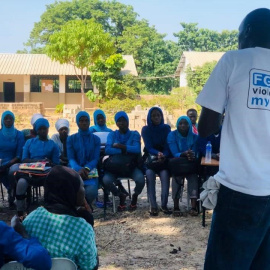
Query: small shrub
{"type": "Point", "coordinates": [59, 108]}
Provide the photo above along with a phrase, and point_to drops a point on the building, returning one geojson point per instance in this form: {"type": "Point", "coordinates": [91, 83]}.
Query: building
{"type": "Point", "coordinates": [194, 59]}
{"type": "Point", "coordinates": [36, 78]}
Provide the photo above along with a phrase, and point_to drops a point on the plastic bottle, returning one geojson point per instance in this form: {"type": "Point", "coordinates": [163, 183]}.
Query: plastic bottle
{"type": "Point", "coordinates": [208, 153]}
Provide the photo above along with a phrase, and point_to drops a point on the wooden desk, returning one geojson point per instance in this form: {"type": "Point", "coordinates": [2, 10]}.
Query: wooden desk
{"type": "Point", "coordinates": [214, 162]}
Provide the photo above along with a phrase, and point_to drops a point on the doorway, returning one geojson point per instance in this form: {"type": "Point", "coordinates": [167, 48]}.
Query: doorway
{"type": "Point", "coordinates": [9, 91]}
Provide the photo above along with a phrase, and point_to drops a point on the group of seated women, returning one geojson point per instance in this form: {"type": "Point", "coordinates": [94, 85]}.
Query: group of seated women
{"type": "Point", "coordinates": [122, 157]}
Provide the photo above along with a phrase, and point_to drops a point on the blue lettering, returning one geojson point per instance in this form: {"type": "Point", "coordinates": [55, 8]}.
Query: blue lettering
{"type": "Point", "coordinates": [257, 100]}
{"type": "Point", "coordinates": [261, 79]}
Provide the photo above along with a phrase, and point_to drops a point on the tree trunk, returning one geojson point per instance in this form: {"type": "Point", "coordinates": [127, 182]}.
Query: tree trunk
{"type": "Point", "coordinates": [82, 91]}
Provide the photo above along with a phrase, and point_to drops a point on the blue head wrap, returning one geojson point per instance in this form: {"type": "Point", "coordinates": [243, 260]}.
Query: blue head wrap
{"type": "Point", "coordinates": [78, 116]}
{"type": "Point", "coordinates": [185, 143]}
{"type": "Point", "coordinates": [8, 132]}
{"type": "Point", "coordinates": [41, 122]}
{"type": "Point", "coordinates": [149, 121]}
{"type": "Point", "coordinates": [119, 115]}
{"type": "Point", "coordinates": [122, 138]}
{"type": "Point", "coordinates": [96, 127]}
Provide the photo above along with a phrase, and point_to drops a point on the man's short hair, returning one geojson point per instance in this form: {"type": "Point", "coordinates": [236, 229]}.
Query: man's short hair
{"type": "Point", "coordinates": [191, 110]}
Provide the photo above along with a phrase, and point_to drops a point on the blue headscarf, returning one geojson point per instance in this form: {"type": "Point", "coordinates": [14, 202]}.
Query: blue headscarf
{"type": "Point", "coordinates": [97, 127]}
{"type": "Point", "coordinates": [149, 121]}
{"type": "Point", "coordinates": [122, 138]}
{"type": "Point", "coordinates": [41, 122]}
{"type": "Point", "coordinates": [84, 134]}
{"type": "Point", "coordinates": [188, 141]}
{"type": "Point", "coordinates": [8, 132]}
{"type": "Point", "coordinates": [78, 116]}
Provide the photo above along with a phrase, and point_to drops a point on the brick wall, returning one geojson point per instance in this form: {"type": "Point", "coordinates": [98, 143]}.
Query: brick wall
{"type": "Point", "coordinates": [23, 107]}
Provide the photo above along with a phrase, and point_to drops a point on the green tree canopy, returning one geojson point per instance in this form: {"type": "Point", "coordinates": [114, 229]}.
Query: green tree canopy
{"type": "Point", "coordinates": [153, 55]}
{"type": "Point", "coordinates": [80, 43]}
{"type": "Point", "coordinates": [197, 78]}
{"type": "Point", "coordinates": [112, 15]}
{"type": "Point", "coordinates": [192, 38]}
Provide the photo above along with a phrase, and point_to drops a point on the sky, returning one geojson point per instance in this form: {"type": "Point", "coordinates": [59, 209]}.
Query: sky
{"type": "Point", "coordinates": [17, 17]}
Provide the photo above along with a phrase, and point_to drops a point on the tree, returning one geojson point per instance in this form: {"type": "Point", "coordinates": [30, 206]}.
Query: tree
{"type": "Point", "coordinates": [192, 38]}
{"type": "Point", "coordinates": [80, 43]}
{"type": "Point", "coordinates": [197, 78]}
{"type": "Point", "coordinates": [153, 55]}
{"type": "Point", "coordinates": [112, 15]}
{"type": "Point", "coordinates": [106, 75]}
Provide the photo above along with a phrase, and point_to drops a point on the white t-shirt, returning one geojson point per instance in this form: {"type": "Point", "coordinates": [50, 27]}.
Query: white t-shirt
{"type": "Point", "coordinates": [240, 84]}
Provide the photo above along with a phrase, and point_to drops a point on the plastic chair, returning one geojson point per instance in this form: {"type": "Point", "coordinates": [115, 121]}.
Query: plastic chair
{"type": "Point", "coordinates": [57, 264]}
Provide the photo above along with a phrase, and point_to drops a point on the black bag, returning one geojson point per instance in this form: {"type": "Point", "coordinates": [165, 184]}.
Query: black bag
{"type": "Point", "coordinates": [181, 166]}
{"type": "Point", "coordinates": [153, 163]}
{"type": "Point", "coordinates": [121, 164]}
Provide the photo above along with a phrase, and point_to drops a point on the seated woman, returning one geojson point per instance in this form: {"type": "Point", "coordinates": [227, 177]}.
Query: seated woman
{"type": "Point", "coordinates": [100, 122]}
{"type": "Point", "coordinates": [155, 141]}
{"type": "Point", "coordinates": [124, 141]}
{"type": "Point", "coordinates": [31, 133]}
{"type": "Point", "coordinates": [183, 143]}
{"type": "Point", "coordinates": [17, 245]}
{"type": "Point", "coordinates": [83, 149]}
{"type": "Point", "coordinates": [58, 225]}
{"type": "Point", "coordinates": [60, 138]}
{"type": "Point", "coordinates": [34, 150]}
{"type": "Point", "coordinates": [11, 145]}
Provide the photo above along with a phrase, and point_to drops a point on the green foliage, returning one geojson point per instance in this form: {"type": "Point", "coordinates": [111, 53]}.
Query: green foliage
{"type": "Point", "coordinates": [79, 43]}
{"type": "Point", "coordinates": [153, 55]}
{"type": "Point", "coordinates": [112, 15]}
{"type": "Point", "coordinates": [91, 96]}
{"type": "Point", "coordinates": [197, 78]}
{"type": "Point", "coordinates": [192, 38]}
{"type": "Point", "coordinates": [179, 99]}
{"type": "Point", "coordinates": [59, 108]}
{"type": "Point", "coordinates": [106, 75]}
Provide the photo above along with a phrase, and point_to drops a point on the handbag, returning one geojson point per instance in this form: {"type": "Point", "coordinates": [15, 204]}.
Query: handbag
{"type": "Point", "coordinates": [120, 164]}
{"type": "Point", "coordinates": [181, 166]}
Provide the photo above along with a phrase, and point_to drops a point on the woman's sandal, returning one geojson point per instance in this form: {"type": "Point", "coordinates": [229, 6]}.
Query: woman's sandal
{"type": "Point", "coordinates": [177, 213]}
{"type": "Point", "coordinates": [132, 207]}
{"type": "Point", "coordinates": [153, 212]}
{"type": "Point", "coordinates": [193, 212]}
{"type": "Point", "coordinates": [165, 210]}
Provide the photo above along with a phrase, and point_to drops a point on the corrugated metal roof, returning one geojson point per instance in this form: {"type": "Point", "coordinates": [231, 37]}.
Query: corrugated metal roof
{"type": "Point", "coordinates": [41, 64]}
{"type": "Point", "coordinates": [195, 59]}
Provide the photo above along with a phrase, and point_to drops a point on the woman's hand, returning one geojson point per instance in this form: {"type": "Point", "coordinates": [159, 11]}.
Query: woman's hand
{"type": "Point", "coordinates": [160, 156]}
{"type": "Point", "coordinates": [190, 155]}
{"type": "Point", "coordinates": [121, 147]}
{"type": "Point", "coordinates": [83, 173]}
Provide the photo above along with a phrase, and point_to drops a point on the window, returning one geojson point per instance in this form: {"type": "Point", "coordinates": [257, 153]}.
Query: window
{"type": "Point", "coordinates": [73, 85]}
{"type": "Point", "coordinates": [44, 83]}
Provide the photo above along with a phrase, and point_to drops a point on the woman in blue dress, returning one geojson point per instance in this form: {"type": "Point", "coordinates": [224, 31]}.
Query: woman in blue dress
{"type": "Point", "coordinates": [11, 145]}
{"type": "Point", "coordinates": [83, 150]}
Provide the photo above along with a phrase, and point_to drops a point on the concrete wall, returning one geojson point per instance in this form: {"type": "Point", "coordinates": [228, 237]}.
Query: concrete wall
{"type": "Point", "coordinates": [23, 108]}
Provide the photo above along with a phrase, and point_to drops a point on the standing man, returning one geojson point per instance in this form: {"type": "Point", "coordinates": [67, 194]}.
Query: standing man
{"type": "Point", "coordinates": [193, 115]}
{"type": "Point", "coordinates": [240, 85]}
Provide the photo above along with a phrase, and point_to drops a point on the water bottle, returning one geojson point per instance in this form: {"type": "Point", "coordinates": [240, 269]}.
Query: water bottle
{"type": "Point", "coordinates": [208, 153]}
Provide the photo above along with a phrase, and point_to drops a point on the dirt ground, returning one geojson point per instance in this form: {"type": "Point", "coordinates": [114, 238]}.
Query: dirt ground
{"type": "Point", "coordinates": [134, 240]}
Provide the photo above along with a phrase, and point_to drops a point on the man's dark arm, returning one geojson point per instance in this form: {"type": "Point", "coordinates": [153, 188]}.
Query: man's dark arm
{"type": "Point", "coordinates": [209, 122]}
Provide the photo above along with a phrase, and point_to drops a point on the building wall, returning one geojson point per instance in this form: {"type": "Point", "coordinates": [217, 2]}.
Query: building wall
{"type": "Point", "coordinates": [50, 100]}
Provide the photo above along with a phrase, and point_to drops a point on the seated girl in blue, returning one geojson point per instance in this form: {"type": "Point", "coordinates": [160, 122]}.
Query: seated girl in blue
{"type": "Point", "coordinates": [183, 143]}
{"type": "Point", "coordinates": [34, 150]}
{"type": "Point", "coordinates": [155, 141]}
{"type": "Point", "coordinates": [123, 141]}
{"type": "Point", "coordinates": [100, 122]}
{"type": "Point", "coordinates": [11, 145]}
{"type": "Point", "coordinates": [83, 150]}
